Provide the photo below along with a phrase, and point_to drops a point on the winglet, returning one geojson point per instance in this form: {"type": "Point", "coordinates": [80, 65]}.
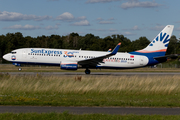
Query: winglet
{"type": "Point", "coordinates": [116, 49]}
{"type": "Point", "coordinates": [109, 50]}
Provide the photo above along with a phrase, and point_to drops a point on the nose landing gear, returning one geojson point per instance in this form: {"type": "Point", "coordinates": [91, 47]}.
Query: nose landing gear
{"type": "Point", "coordinates": [19, 65]}
{"type": "Point", "coordinates": [19, 69]}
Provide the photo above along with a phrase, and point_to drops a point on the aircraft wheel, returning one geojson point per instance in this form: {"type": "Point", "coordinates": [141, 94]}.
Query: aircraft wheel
{"type": "Point", "coordinates": [87, 71]}
{"type": "Point", "coordinates": [19, 69]}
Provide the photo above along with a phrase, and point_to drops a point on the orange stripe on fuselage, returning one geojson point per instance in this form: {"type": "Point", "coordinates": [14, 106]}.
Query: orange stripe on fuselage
{"type": "Point", "coordinates": [68, 63]}
{"type": "Point", "coordinates": [146, 51]}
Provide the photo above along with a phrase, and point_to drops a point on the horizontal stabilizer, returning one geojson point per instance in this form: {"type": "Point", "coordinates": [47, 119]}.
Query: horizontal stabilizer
{"type": "Point", "coordinates": [173, 56]}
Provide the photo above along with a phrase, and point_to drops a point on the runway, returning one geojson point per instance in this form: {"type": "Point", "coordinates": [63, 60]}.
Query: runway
{"type": "Point", "coordinates": [91, 110]}
{"type": "Point", "coordinates": [95, 73]}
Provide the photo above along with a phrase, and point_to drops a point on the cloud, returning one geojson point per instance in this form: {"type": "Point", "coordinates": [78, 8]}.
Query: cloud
{"type": "Point", "coordinates": [68, 17]}
{"type": "Point", "coordinates": [81, 23]}
{"type": "Point", "coordinates": [105, 22]}
{"type": "Point", "coordinates": [81, 18]}
{"type": "Point", "coordinates": [31, 27]}
{"type": "Point", "coordinates": [133, 28]}
{"type": "Point", "coordinates": [103, 30]}
{"type": "Point", "coordinates": [52, 28]}
{"type": "Point", "coordinates": [52, 0]}
{"type": "Point", "coordinates": [100, 1]}
{"type": "Point", "coordinates": [111, 18]}
{"type": "Point", "coordinates": [111, 29]}
{"type": "Point", "coordinates": [20, 27]}
{"type": "Point", "coordinates": [128, 33]}
{"type": "Point", "coordinates": [99, 19]}
{"type": "Point", "coordinates": [102, 21]}
{"type": "Point", "coordinates": [78, 21]}
{"type": "Point", "coordinates": [137, 4]}
{"type": "Point", "coordinates": [14, 16]}
{"type": "Point", "coordinates": [65, 17]}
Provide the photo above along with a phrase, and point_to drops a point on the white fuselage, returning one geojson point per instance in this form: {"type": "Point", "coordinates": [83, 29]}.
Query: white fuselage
{"type": "Point", "coordinates": [56, 56]}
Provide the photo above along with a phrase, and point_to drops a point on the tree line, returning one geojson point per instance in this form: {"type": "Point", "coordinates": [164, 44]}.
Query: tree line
{"type": "Point", "coordinates": [12, 41]}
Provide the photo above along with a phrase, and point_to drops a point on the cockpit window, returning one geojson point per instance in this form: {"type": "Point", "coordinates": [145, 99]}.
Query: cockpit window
{"type": "Point", "coordinates": [13, 52]}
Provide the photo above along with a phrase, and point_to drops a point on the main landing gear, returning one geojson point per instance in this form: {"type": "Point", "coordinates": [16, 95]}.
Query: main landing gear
{"type": "Point", "coordinates": [87, 71]}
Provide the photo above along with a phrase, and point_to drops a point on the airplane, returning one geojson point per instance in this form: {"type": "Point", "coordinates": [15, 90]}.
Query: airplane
{"type": "Point", "coordinates": [68, 59]}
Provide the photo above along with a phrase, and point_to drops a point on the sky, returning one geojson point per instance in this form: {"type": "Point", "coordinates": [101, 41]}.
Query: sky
{"type": "Point", "coordinates": [131, 18]}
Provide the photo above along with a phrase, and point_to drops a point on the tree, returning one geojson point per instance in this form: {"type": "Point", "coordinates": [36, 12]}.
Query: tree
{"type": "Point", "coordinates": [173, 47]}
{"type": "Point", "coordinates": [139, 44]}
{"type": "Point", "coordinates": [12, 41]}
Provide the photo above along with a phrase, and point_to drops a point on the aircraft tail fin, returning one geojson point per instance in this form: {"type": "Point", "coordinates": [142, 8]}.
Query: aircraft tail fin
{"type": "Point", "coordinates": [159, 45]}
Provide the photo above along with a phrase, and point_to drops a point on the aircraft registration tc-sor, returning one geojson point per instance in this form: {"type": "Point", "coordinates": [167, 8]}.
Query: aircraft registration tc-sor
{"type": "Point", "coordinates": [153, 54]}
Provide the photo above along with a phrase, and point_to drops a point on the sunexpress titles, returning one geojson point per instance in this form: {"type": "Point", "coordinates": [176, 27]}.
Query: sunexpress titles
{"type": "Point", "coordinates": [43, 51]}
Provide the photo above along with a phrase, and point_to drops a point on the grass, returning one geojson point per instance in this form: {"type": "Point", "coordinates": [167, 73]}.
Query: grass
{"type": "Point", "coordinates": [67, 116]}
{"type": "Point", "coordinates": [151, 91]}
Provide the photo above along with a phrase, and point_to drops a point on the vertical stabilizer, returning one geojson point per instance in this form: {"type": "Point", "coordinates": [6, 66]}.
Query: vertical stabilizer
{"type": "Point", "coordinates": [160, 43]}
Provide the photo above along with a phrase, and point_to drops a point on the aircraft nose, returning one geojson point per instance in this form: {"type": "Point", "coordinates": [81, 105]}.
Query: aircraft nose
{"type": "Point", "coordinates": [6, 57]}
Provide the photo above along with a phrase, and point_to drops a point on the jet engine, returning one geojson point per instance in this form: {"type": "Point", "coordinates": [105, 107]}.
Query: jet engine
{"type": "Point", "coordinates": [69, 65]}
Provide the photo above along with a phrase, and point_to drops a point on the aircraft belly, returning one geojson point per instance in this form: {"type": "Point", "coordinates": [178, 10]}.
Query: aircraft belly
{"type": "Point", "coordinates": [119, 65]}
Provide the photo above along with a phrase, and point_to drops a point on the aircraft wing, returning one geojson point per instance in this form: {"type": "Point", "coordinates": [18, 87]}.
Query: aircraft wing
{"type": "Point", "coordinates": [97, 60]}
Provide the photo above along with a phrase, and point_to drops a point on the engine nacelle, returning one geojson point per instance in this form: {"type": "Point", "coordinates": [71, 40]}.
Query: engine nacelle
{"type": "Point", "coordinates": [69, 65]}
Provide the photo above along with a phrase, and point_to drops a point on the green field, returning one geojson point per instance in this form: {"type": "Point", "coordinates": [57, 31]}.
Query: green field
{"type": "Point", "coordinates": [140, 91]}
{"type": "Point", "coordinates": [149, 91]}
{"type": "Point", "coordinates": [67, 116]}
